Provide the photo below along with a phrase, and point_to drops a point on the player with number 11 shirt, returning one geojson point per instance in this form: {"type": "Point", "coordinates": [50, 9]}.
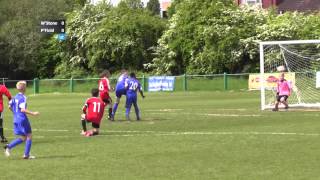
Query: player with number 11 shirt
{"type": "Point", "coordinates": [93, 111]}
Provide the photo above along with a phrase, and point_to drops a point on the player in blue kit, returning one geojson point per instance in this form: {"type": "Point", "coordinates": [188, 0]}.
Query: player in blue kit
{"type": "Point", "coordinates": [21, 124]}
{"type": "Point", "coordinates": [120, 90]}
{"type": "Point", "coordinates": [132, 85]}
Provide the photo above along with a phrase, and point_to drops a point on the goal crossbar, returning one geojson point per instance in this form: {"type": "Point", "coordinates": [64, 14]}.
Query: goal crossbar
{"type": "Point", "coordinates": [316, 41]}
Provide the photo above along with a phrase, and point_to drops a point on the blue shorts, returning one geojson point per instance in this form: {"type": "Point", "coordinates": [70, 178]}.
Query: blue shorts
{"type": "Point", "coordinates": [131, 100]}
{"type": "Point", "coordinates": [120, 92]}
{"type": "Point", "coordinates": [22, 128]}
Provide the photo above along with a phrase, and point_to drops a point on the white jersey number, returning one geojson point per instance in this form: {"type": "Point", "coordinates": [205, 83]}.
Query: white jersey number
{"type": "Point", "coordinates": [17, 105]}
{"type": "Point", "coordinates": [96, 107]}
{"type": "Point", "coordinates": [133, 86]}
{"type": "Point", "coordinates": [101, 87]}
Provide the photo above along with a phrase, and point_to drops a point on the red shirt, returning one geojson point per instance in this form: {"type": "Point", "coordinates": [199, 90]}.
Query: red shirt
{"type": "Point", "coordinates": [94, 109]}
{"type": "Point", "coordinates": [104, 87]}
{"type": "Point", "coordinates": [4, 91]}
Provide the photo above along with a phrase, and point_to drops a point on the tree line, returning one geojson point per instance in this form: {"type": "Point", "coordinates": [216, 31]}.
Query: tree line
{"type": "Point", "coordinates": [199, 37]}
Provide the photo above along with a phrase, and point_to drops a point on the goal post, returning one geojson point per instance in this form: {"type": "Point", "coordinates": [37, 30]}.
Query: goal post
{"type": "Point", "coordinates": [2, 80]}
{"type": "Point", "coordinates": [301, 61]}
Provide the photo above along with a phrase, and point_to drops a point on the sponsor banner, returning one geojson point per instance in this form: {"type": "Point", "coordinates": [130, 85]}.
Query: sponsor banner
{"type": "Point", "coordinates": [318, 80]}
{"type": "Point", "coordinates": [270, 80]}
{"type": "Point", "coordinates": [161, 83]}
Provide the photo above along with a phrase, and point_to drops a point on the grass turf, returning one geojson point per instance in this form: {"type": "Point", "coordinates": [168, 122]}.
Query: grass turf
{"type": "Point", "coordinates": [182, 135]}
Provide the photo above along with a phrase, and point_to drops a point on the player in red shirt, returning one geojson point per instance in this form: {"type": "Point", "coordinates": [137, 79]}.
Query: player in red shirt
{"type": "Point", "coordinates": [3, 91]}
{"type": "Point", "coordinates": [104, 88]}
{"type": "Point", "coordinates": [93, 111]}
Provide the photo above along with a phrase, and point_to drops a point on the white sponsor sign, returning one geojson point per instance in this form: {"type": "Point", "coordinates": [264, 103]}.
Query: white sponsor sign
{"type": "Point", "coordinates": [318, 80]}
{"type": "Point", "coordinates": [161, 83]}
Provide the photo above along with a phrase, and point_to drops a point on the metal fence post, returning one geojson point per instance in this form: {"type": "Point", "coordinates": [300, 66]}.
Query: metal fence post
{"type": "Point", "coordinates": [225, 81]}
{"type": "Point", "coordinates": [71, 85]}
{"type": "Point", "coordinates": [185, 84]}
{"type": "Point", "coordinates": [144, 83]}
{"type": "Point", "coordinates": [35, 86]}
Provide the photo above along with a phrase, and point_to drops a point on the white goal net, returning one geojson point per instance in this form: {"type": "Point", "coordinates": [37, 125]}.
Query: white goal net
{"type": "Point", "coordinates": [301, 62]}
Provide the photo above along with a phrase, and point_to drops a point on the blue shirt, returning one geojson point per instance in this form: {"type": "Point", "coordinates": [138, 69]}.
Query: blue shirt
{"type": "Point", "coordinates": [132, 85]}
{"type": "Point", "coordinates": [121, 82]}
{"type": "Point", "coordinates": [17, 103]}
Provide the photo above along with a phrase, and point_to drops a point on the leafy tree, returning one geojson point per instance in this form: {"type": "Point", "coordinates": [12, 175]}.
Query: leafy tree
{"type": "Point", "coordinates": [215, 37]}
{"type": "Point", "coordinates": [81, 2]}
{"type": "Point", "coordinates": [133, 4]}
{"type": "Point", "coordinates": [154, 7]}
{"type": "Point", "coordinates": [221, 37]}
{"type": "Point", "coordinates": [174, 5]}
{"type": "Point", "coordinates": [104, 37]}
{"type": "Point", "coordinates": [190, 45]}
{"type": "Point", "coordinates": [20, 36]}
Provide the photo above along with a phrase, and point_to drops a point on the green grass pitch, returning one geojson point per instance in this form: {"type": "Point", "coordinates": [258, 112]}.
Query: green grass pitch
{"type": "Point", "coordinates": [182, 135]}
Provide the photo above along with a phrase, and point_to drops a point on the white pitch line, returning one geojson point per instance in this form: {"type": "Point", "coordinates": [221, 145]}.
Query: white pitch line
{"type": "Point", "coordinates": [45, 130]}
{"type": "Point", "coordinates": [173, 133]}
{"type": "Point", "coordinates": [200, 133]}
{"type": "Point", "coordinates": [155, 133]}
{"type": "Point", "coordinates": [51, 130]}
{"type": "Point", "coordinates": [225, 109]}
{"type": "Point", "coordinates": [164, 110]}
{"type": "Point", "coordinates": [216, 115]}
{"type": "Point", "coordinates": [67, 130]}
{"type": "Point", "coordinates": [234, 115]}
{"type": "Point", "coordinates": [180, 133]}
{"type": "Point", "coordinates": [239, 133]}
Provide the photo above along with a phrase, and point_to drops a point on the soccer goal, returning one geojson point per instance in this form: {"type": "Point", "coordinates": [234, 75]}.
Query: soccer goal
{"type": "Point", "coordinates": [2, 80]}
{"type": "Point", "coordinates": [300, 62]}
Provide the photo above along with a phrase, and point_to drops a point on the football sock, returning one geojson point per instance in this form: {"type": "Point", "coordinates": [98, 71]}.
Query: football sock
{"type": "Point", "coordinates": [28, 147]}
{"type": "Point", "coordinates": [1, 128]}
{"type": "Point", "coordinates": [15, 143]}
{"type": "Point", "coordinates": [127, 112]}
{"type": "Point", "coordinates": [84, 125]}
{"type": "Point", "coordinates": [115, 107]}
{"type": "Point", "coordinates": [110, 112]}
{"type": "Point", "coordinates": [136, 108]}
